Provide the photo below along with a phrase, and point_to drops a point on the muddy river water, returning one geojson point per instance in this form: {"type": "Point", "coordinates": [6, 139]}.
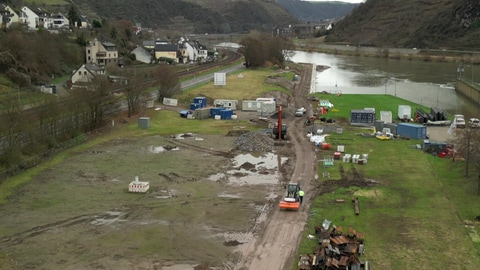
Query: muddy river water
{"type": "Point", "coordinates": [428, 83]}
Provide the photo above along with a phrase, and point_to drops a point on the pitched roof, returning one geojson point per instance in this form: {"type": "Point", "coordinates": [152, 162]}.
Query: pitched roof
{"type": "Point", "coordinates": [166, 47]}
{"type": "Point", "coordinates": [109, 46]}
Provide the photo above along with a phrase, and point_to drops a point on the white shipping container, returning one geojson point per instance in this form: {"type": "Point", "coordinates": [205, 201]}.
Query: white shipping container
{"type": "Point", "coordinates": [386, 116]}
{"type": "Point", "coordinates": [404, 112]}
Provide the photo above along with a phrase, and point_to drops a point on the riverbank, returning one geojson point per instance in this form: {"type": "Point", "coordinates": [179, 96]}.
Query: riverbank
{"type": "Point", "coordinates": [426, 55]}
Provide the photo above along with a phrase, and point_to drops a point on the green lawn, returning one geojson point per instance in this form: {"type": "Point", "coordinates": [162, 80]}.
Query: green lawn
{"type": "Point", "coordinates": [414, 218]}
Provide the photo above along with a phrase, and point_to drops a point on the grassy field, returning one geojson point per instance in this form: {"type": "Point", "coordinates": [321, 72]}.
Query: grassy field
{"type": "Point", "coordinates": [414, 218]}
{"type": "Point", "coordinates": [345, 103]}
{"type": "Point", "coordinates": [247, 84]}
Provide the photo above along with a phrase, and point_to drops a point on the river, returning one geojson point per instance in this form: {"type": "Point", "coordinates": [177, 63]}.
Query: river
{"type": "Point", "coordinates": [428, 83]}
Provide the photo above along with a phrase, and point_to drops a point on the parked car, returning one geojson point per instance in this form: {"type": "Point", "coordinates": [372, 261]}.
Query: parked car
{"type": "Point", "coordinates": [474, 122]}
{"type": "Point", "coordinates": [459, 121]}
{"type": "Point", "coordinates": [300, 112]}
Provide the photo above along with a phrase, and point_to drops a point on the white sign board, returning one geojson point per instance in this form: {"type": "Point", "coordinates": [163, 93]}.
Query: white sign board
{"type": "Point", "coordinates": [220, 79]}
{"type": "Point", "coordinates": [170, 101]}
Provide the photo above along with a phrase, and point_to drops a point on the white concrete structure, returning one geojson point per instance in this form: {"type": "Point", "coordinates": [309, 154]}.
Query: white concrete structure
{"type": "Point", "coordinates": [137, 186]}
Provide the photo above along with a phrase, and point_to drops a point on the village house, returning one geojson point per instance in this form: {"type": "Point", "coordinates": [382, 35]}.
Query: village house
{"type": "Point", "coordinates": [101, 53]}
{"type": "Point", "coordinates": [165, 50]}
{"type": "Point", "coordinates": [142, 55]}
{"type": "Point", "coordinates": [7, 16]}
{"type": "Point", "coordinates": [192, 51]}
{"type": "Point", "coordinates": [86, 73]}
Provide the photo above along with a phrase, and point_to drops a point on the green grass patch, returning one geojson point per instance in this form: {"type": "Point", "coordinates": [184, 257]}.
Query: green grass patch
{"type": "Point", "coordinates": [418, 207]}
{"type": "Point", "coordinates": [244, 85]}
{"type": "Point", "coordinates": [345, 103]}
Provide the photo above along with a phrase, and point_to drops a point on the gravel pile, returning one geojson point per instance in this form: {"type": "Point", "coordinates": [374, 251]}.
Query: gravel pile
{"type": "Point", "coordinates": [258, 141]}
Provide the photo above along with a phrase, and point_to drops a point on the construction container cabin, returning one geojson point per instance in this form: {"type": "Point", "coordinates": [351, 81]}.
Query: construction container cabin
{"type": "Point", "coordinates": [404, 112]}
{"type": "Point", "coordinates": [251, 105]}
{"type": "Point", "coordinates": [412, 131]}
{"type": "Point", "coordinates": [202, 101]}
{"type": "Point", "coordinates": [362, 117]}
{"type": "Point", "coordinates": [386, 116]}
{"type": "Point", "coordinates": [231, 104]}
{"type": "Point", "coordinates": [267, 108]}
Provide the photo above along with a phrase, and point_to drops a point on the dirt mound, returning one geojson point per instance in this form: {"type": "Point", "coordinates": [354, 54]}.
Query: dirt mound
{"type": "Point", "coordinates": [258, 141]}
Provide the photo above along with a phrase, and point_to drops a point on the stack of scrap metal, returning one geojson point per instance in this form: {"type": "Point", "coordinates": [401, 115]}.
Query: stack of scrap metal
{"type": "Point", "coordinates": [337, 250]}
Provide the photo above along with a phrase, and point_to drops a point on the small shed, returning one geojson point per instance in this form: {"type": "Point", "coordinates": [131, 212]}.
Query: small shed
{"type": "Point", "coordinates": [226, 103]}
{"type": "Point", "coordinates": [412, 131]}
{"type": "Point", "coordinates": [362, 118]}
{"type": "Point", "coordinates": [267, 108]}
{"type": "Point", "coordinates": [144, 122]}
{"type": "Point", "coordinates": [202, 101]}
{"type": "Point", "coordinates": [386, 116]}
{"type": "Point", "coordinates": [404, 112]}
{"type": "Point", "coordinates": [251, 105]}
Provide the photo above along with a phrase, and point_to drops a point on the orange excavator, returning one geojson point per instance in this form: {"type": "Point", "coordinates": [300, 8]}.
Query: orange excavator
{"type": "Point", "coordinates": [291, 201]}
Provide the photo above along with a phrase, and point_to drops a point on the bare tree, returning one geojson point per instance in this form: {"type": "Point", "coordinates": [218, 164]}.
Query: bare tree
{"type": "Point", "coordinates": [134, 92]}
{"type": "Point", "coordinates": [252, 50]}
{"type": "Point", "coordinates": [96, 97]}
{"type": "Point", "coordinates": [259, 49]}
{"type": "Point", "coordinates": [167, 80]}
{"type": "Point", "coordinates": [11, 125]}
{"type": "Point", "coordinates": [467, 142]}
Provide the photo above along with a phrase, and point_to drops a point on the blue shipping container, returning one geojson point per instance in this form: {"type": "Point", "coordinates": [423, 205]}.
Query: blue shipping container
{"type": "Point", "coordinates": [201, 100]}
{"type": "Point", "coordinates": [194, 106]}
{"type": "Point", "coordinates": [215, 111]}
{"type": "Point", "coordinates": [412, 131]}
{"type": "Point", "coordinates": [226, 114]}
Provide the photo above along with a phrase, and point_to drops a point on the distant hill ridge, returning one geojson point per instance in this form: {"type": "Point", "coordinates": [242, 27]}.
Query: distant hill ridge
{"type": "Point", "coordinates": [406, 23]}
{"type": "Point", "coordinates": [386, 23]}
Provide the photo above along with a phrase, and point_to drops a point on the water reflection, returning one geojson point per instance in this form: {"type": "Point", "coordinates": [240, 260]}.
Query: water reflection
{"type": "Point", "coordinates": [427, 83]}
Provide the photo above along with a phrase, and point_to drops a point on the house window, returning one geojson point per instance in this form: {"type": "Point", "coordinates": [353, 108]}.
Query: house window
{"type": "Point", "coordinates": [85, 73]}
{"type": "Point", "coordinates": [88, 51]}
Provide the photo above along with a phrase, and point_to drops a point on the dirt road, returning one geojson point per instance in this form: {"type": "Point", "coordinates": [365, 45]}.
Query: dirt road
{"type": "Point", "coordinates": [278, 245]}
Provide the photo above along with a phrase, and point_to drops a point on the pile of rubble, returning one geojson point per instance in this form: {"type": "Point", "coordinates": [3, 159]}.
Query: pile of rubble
{"type": "Point", "coordinates": [336, 250]}
{"type": "Point", "coordinates": [257, 141]}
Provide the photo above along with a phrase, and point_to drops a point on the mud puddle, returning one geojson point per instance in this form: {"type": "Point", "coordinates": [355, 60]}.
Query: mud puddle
{"type": "Point", "coordinates": [249, 169]}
